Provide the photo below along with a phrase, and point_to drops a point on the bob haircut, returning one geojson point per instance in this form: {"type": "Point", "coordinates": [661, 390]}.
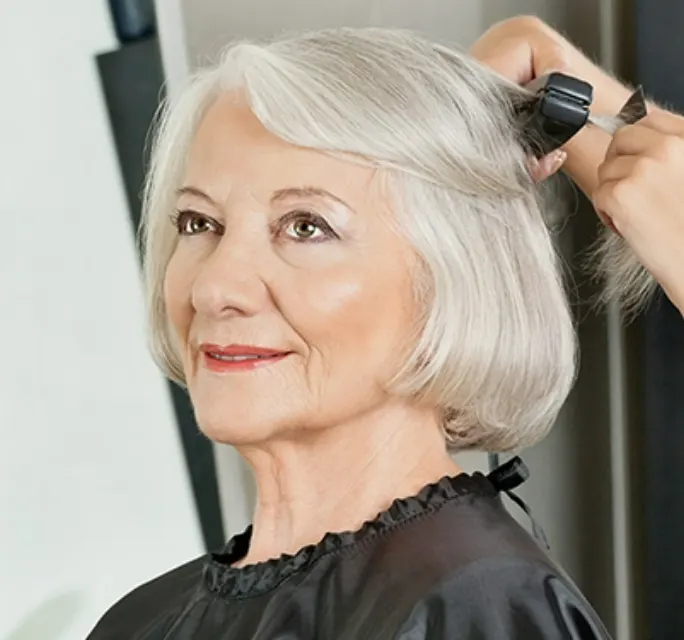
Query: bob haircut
{"type": "Point", "coordinates": [495, 348]}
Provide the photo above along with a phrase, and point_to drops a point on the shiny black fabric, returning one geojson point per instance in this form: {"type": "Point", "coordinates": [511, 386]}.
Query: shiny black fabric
{"type": "Point", "coordinates": [447, 564]}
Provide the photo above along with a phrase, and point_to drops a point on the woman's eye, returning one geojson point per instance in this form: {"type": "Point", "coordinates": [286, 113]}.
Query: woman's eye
{"type": "Point", "coordinates": [305, 227]}
{"type": "Point", "coordinates": [190, 223]}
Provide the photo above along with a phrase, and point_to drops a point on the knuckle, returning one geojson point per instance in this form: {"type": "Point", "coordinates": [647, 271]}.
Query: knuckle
{"type": "Point", "coordinates": [623, 191]}
{"type": "Point", "coordinates": [603, 172]}
{"type": "Point", "coordinates": [528, 23]}
{"type": "Point", "coordinates": [669, 148]}
{"type": "Point", "coordinates": [602, 198]}
{"type": "Point", "coordinates": [531, 28]}
{"type": "Point", "coordinates": [644, 168]}
{"type": "Point", "coordinates": [613, 202]}
{"type": "Point", "coordinates": [556, 56]}
{"type": "Point", "coordinates": [619, 136]}
{"type": "Point", "coordinates": [613, 197]}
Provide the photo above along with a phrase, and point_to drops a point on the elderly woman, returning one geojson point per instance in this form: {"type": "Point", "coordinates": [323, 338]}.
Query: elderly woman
{"type": "Point", "coordinates": [349, 269]}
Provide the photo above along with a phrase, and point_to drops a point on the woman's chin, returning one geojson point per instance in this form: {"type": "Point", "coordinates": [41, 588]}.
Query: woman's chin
{"type": "Point", "coordinates": [229, 432]}
{"type": "Point", "coordinates": [234, 427]}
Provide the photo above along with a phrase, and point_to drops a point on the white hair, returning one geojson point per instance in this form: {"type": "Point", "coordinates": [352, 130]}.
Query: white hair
{"type": "Point", "coordinates": [496, 346]}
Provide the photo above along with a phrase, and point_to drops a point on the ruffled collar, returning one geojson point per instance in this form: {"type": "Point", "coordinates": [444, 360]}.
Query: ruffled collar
{"type": "Point", "coordinates": [227, 581]}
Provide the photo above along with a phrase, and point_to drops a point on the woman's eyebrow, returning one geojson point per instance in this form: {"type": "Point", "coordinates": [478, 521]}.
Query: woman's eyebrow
{"type": "Point", "coordinates": [194, 191]}
{"type": "Point", "coordinates": [306, 192]}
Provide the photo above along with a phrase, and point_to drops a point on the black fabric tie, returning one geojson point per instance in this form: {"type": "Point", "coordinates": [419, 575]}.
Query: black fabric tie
{"type": "Point", "coordinates": [509, 476]}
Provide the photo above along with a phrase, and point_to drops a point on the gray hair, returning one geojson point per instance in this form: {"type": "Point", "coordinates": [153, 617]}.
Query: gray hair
{"type": "Point", "coordinates": [496, 347]}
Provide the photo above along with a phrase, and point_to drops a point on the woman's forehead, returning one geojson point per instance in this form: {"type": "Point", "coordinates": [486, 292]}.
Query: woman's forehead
{"type": "Point", "coordinates": [232, 149]}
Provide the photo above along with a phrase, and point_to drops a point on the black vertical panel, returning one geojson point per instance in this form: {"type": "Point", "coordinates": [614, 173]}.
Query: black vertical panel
{"type": "Point", "coordinates": [659, 66]}
{"type": "Point", "coordinates": [664, 483]}
{"type": "Point", "coordinates": [132, 80]}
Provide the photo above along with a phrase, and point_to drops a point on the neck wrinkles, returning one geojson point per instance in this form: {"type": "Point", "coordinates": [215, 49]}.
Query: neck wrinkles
{"type": "Point", "coordinates": [337, 479]}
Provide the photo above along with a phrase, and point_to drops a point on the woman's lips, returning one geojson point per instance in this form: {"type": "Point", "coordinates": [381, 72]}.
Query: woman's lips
{"type": "Point", "coordinates": [234, 358]}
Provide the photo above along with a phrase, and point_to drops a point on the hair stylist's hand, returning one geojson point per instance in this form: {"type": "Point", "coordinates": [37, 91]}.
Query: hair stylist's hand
{"type": "Point", "coordinates": [521, 49]}
{"type": "Point", "coordinates": [524, 48]}
{"type": "Point", "coordinates": [636, 179]}
{"type": "Point", "coordinates": [641, 191]}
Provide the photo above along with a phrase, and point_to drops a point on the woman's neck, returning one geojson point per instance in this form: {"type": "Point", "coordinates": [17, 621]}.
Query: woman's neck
{"type": "Point", "coordinates": [336, 479]}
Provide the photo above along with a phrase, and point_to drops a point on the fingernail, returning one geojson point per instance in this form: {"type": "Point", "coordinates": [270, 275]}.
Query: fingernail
{"type": "Point", "coordinates": [559, 159]}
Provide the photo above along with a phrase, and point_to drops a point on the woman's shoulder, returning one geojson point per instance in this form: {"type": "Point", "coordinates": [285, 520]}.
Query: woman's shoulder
{"type": "Point", "coordinates": [150, 603]}
{"type": "Point", "coordinates": [505, 598]}
{"type": "Point", "coordinates": [469, 565]}
{"type": "Point", "coordinates": [463, 520]}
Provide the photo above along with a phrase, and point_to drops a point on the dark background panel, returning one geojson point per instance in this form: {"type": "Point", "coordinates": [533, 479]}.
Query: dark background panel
{"type": "Point", "coordinates": [658, 352]}
{"type": "Point", "coordinates": [132, 80]}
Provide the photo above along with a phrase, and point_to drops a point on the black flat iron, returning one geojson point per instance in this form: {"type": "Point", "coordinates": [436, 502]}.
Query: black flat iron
{"type": "Point", "coordinates": [562, 108]}
{"type": "Point", "coordinates": [560, 111]}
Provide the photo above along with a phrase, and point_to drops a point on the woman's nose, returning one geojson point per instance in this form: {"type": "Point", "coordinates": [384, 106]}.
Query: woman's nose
{"type": "Point", "coordinates": [230, 280]}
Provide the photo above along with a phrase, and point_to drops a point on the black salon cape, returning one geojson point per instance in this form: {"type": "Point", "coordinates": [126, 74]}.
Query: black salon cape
{"type": "Point", "coordinates": [447, 564]}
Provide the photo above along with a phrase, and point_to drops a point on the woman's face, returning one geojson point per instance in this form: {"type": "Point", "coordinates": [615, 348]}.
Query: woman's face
{"type": "Point", "coordinates": [289, 291]}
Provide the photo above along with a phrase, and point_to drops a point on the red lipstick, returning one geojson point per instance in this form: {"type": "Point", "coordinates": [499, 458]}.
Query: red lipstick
{"type": "Point", "coordinates": [238, 357]}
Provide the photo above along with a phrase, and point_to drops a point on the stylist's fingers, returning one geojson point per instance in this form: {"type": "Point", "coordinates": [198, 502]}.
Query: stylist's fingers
{"type": "Point", "coordinates": [621, 168]}
{"type": "Point", "coordinates": [664, 121]}
{"type": "Point", "coordinates": [658, 135]}
{"type": "Point", "coordinates": [627, 187]}
{"type": "Point", "coordinates": [543, 168]}
{"type": "Point", "coordinates": [633, 140]}
{"type": "Point", "coordinates": [610, 201]}
{"type": "Point", "coordinates": [611, 175]}
{"type": "Point", "coordinates": [641, 173]}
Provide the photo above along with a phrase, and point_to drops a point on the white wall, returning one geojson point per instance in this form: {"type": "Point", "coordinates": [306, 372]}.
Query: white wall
{"type": "Point", "coordinates": [93, 490]}
{"type": "Point", "coordinates": [211, 24]}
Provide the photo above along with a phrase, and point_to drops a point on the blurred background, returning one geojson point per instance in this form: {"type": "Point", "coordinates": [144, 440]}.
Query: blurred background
{"type": "Point", "coordinates": [104, 479]}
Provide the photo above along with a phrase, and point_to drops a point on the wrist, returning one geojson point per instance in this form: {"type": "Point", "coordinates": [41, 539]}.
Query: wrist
{"type": "Point", "coordinates": [586, 151]}
{"type": "Point", "coordinates": [610, 95]}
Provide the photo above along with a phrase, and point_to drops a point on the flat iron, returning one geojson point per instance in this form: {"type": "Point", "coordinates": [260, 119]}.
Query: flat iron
{"type": "Point", "coordinates": [559, 112]}
{"type": "Point", "coordinates": [562, 109]}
